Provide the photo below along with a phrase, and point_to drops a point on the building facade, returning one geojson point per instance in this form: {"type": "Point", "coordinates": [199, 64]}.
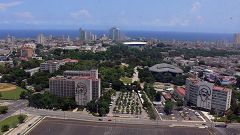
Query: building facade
{"type": "Point", "coordinates": [115, 34]}
{"type": "Point", "coordinates": [90, 73]}
{"type": "Point", "coordinates": [26, 52]}
{"type": "Point", "coordinates": [53, 65]}
{"type": "Point", "coordinates": [237, 38]}
{"type": "Point", "coordinates": [87, 36]}
{"type": "Point", "coordinates": [81, 85]}
{"type": "Point", "coordinates": [207, 96]}
{"type": "Point", "coordinates": [41, 39]}
{"type": "Point", "coordinates": [50, 66]}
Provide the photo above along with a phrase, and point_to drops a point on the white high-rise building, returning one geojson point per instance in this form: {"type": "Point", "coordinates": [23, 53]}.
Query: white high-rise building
{"type": "Point", "coordinates": [68, 39]}
{"type": "Point", "coordinates": [115, 34]}
{"type": "Point", "coordinates": [87, 36]}
{"type": "Point", "coordinates": [10, 39]}
{"type": "Point", "coordinates": [237, 38]}
{"type": "Point", "coordinates": [40, 39]}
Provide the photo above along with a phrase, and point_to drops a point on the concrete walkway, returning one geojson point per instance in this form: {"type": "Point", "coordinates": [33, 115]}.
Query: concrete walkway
{"type": "Point", "coordinates": [135, 75]}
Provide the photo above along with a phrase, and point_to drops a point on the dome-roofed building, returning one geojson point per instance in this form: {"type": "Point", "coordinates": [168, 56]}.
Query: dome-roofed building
{"type": "Point", "coordinates": [165, 68]}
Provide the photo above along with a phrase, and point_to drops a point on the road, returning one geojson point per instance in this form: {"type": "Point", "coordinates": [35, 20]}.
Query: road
{"type": "Point", "coordinates": [88, 117]}
{"type": "Point", "coordinates": [73, 127]}
{"type": "Point", "coordinates": [13, 106]}
{"type": "Point", "coordinates": [232, 128]}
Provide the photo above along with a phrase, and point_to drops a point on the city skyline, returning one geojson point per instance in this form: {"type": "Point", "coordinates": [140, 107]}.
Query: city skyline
{"type": "Point", "coordinates": [185, 16]}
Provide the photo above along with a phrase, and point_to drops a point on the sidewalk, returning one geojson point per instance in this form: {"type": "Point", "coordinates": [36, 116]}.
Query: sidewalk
{"type": "Point", "coordinates": [31, 120]}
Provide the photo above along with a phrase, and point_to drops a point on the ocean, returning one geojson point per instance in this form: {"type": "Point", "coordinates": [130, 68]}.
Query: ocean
{"type": "Point", "coordinates": [162, 35]}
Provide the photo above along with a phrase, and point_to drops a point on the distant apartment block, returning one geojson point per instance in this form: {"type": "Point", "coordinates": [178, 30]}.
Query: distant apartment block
{"type": "Point", "coordinates": [26, 52]}
{"type": "Point", "coordinates": [237, 38]}
{"type": "Point", "coordinates": [52, 66]}
{"type": "Point", "coordinates": [207, 96]}
{"type": "Point", "coordinates": [32, 71]}
{"type": "Point", "coordinates": [41, 39]}
{"type": "Point", "coordinates": [84, 86]}
{"type": "Point", "coordinates": [86, 35]}
{"type": "Point", "coordinates": [4, 54]}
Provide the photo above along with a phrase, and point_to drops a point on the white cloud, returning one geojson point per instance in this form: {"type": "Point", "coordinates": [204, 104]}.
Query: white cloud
{"type": "Point", "coordinates": [196, 7]}
{"type": "Point", "coordinates": [200, 19]}
{"type": "Point", "coordinates": [176, 21]}
{"type": "Point", "coordinates": [24, 15]}
{"type": "Point", "coordinates": [80, 14]}
{"type": "Point", "coordinates": [4, 6]}
{"type": "Point", "coordinates": [171, 22]}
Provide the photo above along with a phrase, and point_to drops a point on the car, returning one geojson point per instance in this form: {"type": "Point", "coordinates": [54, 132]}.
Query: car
{"type": "Point", "coordinates": [221, 125]}
{"type": "Point", "coordinates": [204, 124]}
{"type": "Point", "coordinates": [100, 119]}
{"type": "Point", "coordinates": [29, 125]}
{"type": "Point", "coordinates": [197, 114]}
{"type": "Point", "coordinates": [109, 120]}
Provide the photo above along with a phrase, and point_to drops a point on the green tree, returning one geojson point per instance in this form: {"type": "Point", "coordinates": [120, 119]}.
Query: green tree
{"type": "Point", "coordinates": [23, 95]}
{"type": "Point", "coordinates": [21, 119]}
{"type": "Point", "coordinates": [5, 128]}
{"type": "Point", "coordinates": [3, 109]}
{"type": "Point", "coordinates": [186, 69]}
{"type": "Point", "coordinates": [168, 107]}
{"type": "Point", "coordinates": [23, 85]}
{"type": "Point", "coordinates": [2, 69]}
{"type": "Point", "coordinates": [102, 112]}
{"type": "Point", "coordinates": [179, 103]}
{"type": "Point", "coordinates": [92, 106]}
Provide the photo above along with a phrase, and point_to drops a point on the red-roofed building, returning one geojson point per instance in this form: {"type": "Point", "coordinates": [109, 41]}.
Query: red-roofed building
{"type": "Point", "coordinates": [68, 60]}
{"type": "Point", "coordinates": [167, 96]}
{"type": "Point", "coordinates": [179, 93]}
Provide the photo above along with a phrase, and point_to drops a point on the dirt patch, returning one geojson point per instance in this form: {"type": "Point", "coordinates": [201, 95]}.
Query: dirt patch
{"type": "Point", "coordinates": [7, 87]}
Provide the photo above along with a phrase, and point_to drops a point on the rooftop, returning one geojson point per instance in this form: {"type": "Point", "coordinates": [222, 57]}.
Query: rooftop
{"type": "Point", "coordinates": [135, 43]}
{"type": "Point", "coordinates": [167, 96]}
{"type": "Point", "coordinates": [164, 67]}
{"type": "Point", "coordinates": [181, 91]}
{"type": "Point", "coordinates": [73, 78]}
{"type": "Point", "coordinates": [218, 88]}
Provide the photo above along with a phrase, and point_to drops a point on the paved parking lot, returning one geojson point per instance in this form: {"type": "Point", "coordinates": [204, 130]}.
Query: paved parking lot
{"type": "Point", "coordinates": [185, 114]}
{"type": "Point", "coordinates": [73, 127]}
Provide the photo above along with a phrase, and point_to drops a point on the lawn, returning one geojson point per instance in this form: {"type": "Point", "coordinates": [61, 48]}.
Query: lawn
{"type": "Point", "coordinates": [12, 95]}
{"type": "Point", "coordinates": [11, 121]}
{"type": "Point", "coordinates": [126, 80]}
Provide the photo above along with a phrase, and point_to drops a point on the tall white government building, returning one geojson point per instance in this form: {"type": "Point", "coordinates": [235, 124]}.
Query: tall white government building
{"type": "Point", "coordinates": [84, 86]}
{"type": "Point", "coordinates": [207, 96]}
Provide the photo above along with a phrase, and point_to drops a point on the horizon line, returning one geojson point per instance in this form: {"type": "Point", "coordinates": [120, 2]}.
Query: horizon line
{"type": "Point", "coordinates": [126, 30]}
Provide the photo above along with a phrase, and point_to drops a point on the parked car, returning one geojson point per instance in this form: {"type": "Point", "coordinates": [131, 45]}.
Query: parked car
{"type": "Point", "coordinates": [221, 125]}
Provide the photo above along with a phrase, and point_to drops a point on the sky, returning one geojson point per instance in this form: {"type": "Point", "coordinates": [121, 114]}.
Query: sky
{"type": "Point", "coordinates": [215, 16]}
